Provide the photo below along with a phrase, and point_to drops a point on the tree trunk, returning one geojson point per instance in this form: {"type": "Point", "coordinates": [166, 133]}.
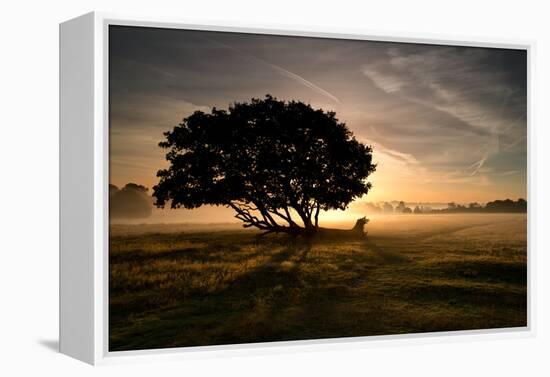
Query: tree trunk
{"type": "Point", "coordinates": [317, 209]}
{"type": "Point", "coordinates": [258, 216]}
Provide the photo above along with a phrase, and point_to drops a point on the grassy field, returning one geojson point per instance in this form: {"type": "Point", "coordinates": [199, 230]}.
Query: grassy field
{"type": "Point", "coordinates": [173, 286]}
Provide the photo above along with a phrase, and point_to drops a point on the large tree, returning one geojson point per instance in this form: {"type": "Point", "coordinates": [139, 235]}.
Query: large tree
{"type": "Point", "coordinates": [277, 164]}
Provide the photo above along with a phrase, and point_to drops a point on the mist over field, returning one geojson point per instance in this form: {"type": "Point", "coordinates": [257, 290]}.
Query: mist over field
{"type": "Point", "coordinates": [209, 215]}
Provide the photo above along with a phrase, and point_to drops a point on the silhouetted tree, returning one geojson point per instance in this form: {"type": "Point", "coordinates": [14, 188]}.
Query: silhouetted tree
{"type": "Point", "coordinates": [372, 208]}
{"type": "Point", "coordinates": [130, 202]}
{"type": "Point", "coordinates": [400, 207]}
{"type": "Point", "coordinates": [113, 190]}
{"type": "Point", "coordinates": [388, 208]}
{"type": "Point", "coordinates": [507, 205]}
{"type": "Point", "coordinates": [474, 205]}
{"type": "Point", "coordinates": [271, 161]}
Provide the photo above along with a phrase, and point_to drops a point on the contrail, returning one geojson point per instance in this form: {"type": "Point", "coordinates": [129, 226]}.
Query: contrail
{"type": "Point", "coordinates": [301, 80]}
{"type": "Point", "coordinates": [478, 165]}
{"type": "Point", "coordinates": [281, 70]}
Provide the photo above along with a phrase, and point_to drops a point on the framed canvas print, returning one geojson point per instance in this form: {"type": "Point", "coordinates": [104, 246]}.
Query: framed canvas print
{"type": "Point", "coordinates": [225, 188]}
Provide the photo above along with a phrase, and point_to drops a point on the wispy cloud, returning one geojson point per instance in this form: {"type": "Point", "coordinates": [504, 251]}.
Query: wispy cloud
{"type": "Point", "coordinates": [284, 72]}
{"type": "Point", "coordinates": [460, 83]}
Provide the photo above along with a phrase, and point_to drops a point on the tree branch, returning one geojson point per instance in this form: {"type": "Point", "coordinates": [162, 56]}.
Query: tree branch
{"type": "Point", "coordinates": [243, 214]}
{"type": "Point", "coordinates": [318, 207]}
{"type": "Point", "coordinates": [267, 216]}
{"type": "Point", "coordinates": [287, 218]}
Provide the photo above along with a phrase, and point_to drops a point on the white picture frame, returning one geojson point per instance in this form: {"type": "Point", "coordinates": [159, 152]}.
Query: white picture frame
{"type": "Point", "coordinates": [84, 192]}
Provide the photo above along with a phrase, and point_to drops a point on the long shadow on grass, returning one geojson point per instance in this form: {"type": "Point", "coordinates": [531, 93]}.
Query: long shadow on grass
{"type": "Point", "coordinates": [277, 300]}
{"type": "Point", "coordinates": [245, 309]}
{"type": "Point", "coordinates": [386, 256]}
{"type": "Point", "coordinates": [260, 295]}
{"type": "Point", "coordinates": [280, 268]}
{"type": "Point", "coordinates": [288, 302]}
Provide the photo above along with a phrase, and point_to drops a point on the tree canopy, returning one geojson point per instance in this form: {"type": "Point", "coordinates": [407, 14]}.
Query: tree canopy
{"type": "Point", "coordinates": [276, 163]}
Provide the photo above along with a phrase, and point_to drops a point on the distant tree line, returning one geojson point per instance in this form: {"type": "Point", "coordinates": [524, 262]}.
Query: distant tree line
{"type": "Point", "coordinates": [496, 206]}
{"type": "Point", "coordinates": [130, 202]}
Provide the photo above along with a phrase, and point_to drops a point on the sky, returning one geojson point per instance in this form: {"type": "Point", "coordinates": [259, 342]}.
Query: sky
{"type": "Point", "coordinates": [446, 123]}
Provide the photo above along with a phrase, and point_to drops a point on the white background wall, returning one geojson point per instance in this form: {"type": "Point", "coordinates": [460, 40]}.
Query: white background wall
{"type": "Point", "coordinates": [29, 184]}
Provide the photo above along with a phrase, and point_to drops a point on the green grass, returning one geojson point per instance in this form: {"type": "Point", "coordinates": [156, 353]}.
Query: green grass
{"type": "Point", "coordinates": [413, 274]}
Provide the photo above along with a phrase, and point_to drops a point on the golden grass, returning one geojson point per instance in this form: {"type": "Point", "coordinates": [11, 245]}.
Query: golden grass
{"type": "Point", "coordinates": [413, 274]}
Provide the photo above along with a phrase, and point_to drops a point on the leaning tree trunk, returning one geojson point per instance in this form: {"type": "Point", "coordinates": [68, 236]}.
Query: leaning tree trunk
{"type": "Point", "coordinates": [258, 216]}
